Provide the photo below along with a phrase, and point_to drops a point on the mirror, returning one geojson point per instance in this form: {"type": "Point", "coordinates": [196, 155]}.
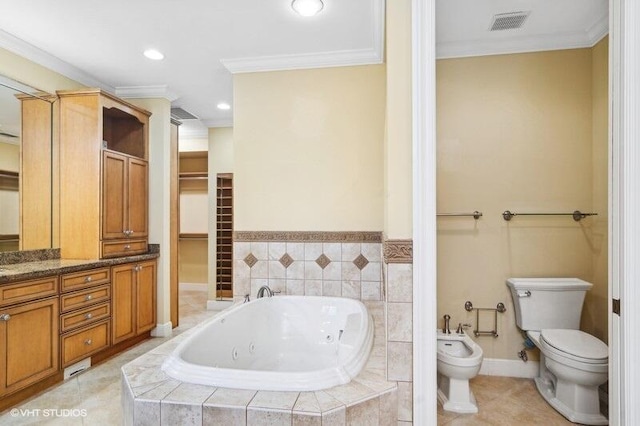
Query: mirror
{"type": "Point", "coordinates": [25, 167]}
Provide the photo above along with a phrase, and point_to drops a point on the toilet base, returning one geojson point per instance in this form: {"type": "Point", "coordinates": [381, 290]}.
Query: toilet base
{"type": "Point", "coordinates": [547, 390]}
{"type": "Point", "coordinates": [456, 396]}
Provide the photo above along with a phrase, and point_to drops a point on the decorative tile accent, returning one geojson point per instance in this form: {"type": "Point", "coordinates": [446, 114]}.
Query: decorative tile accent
{"type": "Point", "coordinates": [312, 236]}
{"type": "Point", "coordinates": [360, 262]}
{"type": "Point", "coordinates": [398, 251]}
{"type": "Point", "coordinates": [251, 260]}
{"type": "Point", "coordinates": [323, 261]}
{"type": "Point", "coordinates": [286, 260]}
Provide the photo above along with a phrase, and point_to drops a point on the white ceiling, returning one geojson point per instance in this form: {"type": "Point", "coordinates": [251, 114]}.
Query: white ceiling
{"type": "Point", "coordinates": [100, 43]}
{"type": "Point", "coordinates": [463, 26]}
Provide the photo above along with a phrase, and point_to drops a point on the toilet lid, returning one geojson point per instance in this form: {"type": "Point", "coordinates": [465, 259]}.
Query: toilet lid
{"type": "Point", "coordinates": [577, 343]}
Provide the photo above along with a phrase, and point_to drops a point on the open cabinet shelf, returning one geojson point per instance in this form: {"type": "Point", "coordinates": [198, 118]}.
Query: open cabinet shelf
{"type": "Point", "coordinates": [224, 235]}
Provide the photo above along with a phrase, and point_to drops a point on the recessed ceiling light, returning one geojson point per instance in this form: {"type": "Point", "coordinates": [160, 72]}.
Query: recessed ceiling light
{"type": "Point", "coordinates": [307, 7]}
{"type": "Point", "coordinates": [153, 54]}
{"type": "Point", "coordinates": [223, 105]}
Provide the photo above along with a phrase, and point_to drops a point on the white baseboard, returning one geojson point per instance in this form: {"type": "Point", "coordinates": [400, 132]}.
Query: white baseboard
{"type": "Point", "coordinates": [509, 368]}
{"type": "Point", "coordinates": [218, 305]}
{"type": "Point", "coordinates": [193, 286]}
{"type": "Point", "coordinates": [162, 330]}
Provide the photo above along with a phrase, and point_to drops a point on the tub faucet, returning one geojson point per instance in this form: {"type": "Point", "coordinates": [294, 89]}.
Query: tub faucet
{"type": "Point", "coordinates": [264, 290]}
{"type": "Point", "coordinates": [446, 329]}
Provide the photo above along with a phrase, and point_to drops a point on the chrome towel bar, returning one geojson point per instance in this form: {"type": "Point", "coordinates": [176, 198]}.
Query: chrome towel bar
{"type": "Point", "coordinates": [577, 215]}
{"type": "Point", "coordinates": [476, 215]}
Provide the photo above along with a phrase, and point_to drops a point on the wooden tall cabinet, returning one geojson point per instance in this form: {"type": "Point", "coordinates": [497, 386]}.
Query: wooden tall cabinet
{"type": "Point", "coordinates": [104, 153]}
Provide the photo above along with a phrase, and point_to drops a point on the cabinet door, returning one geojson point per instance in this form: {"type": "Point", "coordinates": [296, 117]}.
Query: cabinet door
{"type": "Point", "coordinates": [114, 197]}
{"type": "Point", "coordinates": [138, 198]}
{"type": "Point", "coordinates": [123, 302]}
{"type": "Point", "coordinates": [146, 297]}
{"type": "Point", "coordinates": [29, 344]}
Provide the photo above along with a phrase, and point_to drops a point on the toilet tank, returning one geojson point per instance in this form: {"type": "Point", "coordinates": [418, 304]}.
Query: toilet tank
{"type": "Point", "coordinates": [543, 303]}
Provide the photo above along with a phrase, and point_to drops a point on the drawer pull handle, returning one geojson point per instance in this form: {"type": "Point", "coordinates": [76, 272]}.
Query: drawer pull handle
{"type": "Point", "coordinates": [88, 279]}
{"type": "Point", "coordinates": [88, 342]}
{"type": "Point", "coordinates": [88, 297]}
{"type": "Point", "coordinates": [127, 247]}
{"type": "Point", "coordinates": [5, 317]}
{"type": "Point", "coordinates": [88, 316]}
{"type": "Point", "coordinates": [137, 268]}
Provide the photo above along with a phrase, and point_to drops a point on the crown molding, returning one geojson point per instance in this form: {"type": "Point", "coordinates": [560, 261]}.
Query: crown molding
{"type": "Point", "coordinates": [486, 47]}
{"type": "Point", "coordinates": [303, 61]}
{"type": "Point", "coordinates": [558, 41]}
{"type": "Point", "coordinates": [146, 92]}
{"type": "Point", "coordinates": [40, 57]}
{"type": "Point", "coordinates": [598, 30]}
{"type": "Point", "coordinates": [338, 58]}
{"type": "Point", "coordinates": [218, 122]}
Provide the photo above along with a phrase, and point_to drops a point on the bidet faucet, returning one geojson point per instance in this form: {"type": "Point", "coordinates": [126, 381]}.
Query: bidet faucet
{"type": "Point", "coordinates": [446, 329]}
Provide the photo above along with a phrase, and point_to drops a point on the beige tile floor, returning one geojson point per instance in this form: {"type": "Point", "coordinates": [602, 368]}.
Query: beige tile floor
{"type": "Point", "coordinates": [93, 397]}
{"type": "Point", "coordinates": [505, 401]}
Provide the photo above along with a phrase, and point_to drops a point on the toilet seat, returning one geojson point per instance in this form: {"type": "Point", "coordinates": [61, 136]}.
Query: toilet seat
{"type": "Point", "coordinates": [575, 345]}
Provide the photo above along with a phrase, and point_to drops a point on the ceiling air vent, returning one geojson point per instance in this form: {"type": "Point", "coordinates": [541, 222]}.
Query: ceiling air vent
{"type": "Point", "coordinates": [508, 21]}
{"type": "Point", "coordinates": [181, 114]}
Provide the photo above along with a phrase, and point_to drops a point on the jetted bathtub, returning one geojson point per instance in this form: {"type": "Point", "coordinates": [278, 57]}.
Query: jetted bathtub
{"type": "Point", "coordinates": [280, 343]}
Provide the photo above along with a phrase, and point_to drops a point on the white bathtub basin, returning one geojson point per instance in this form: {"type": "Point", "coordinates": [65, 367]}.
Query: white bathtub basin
{"type": "Point", "coordinates": [282, 343]}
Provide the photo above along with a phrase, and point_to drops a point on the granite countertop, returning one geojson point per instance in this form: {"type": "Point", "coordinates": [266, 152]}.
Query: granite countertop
{"type": "Point", "coordinates": [44, 268]}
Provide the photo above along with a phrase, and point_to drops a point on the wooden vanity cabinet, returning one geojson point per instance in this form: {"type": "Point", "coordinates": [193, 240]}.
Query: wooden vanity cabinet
{"type": "Point", "coordinates": [85, 313]}
{"type": "Point", "coordinates": [133, 299]}
{"type": "Point", "coordinates": [28, 334]}
{"type": "Point", "coordinates": [104, 181]}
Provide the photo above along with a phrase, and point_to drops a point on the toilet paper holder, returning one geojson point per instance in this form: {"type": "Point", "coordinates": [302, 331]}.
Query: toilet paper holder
{"type": "Point", "coordinates": [468, 306]}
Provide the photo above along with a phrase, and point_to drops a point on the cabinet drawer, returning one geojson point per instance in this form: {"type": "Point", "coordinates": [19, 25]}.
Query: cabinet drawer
{"type": "Point", "coordinates": [28, 290]}
{"type": "Point", "coordinates": [84, 298]}
{"type": "Point", "coordinates": [84, 279]}
{"type": "Point", "coordinates": [124, 248]}
{"type": "Point", "coordinates": [84, 342]}
{"type": "Point", "coordinates": [84, 317]}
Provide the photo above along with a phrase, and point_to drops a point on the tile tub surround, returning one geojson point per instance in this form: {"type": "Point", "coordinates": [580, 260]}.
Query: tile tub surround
{"type": "Point", "coordinates": [398, 272]}
{"type": "Point", "coordinates": [341, 264]}
{"type": "Point", "coordinates": [151, 397]}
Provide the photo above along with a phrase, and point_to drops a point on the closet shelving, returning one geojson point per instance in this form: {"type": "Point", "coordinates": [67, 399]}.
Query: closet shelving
{"type": "Point", "coordinates": [224, 235]}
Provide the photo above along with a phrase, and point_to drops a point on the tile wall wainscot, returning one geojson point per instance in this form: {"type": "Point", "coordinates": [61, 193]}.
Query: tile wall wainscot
{"type": "Point", "coordinates": [341, 264]}
{"type": "Point", "coordinates": [398, 272]}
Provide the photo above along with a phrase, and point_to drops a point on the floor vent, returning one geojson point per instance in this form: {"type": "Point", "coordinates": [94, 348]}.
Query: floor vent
{"type": "Point", "coordinates": [508, 21]}
{"type": "Point", "coordinates": [182, 114]}
{"type": "Point", "coordinates": [76, 368]}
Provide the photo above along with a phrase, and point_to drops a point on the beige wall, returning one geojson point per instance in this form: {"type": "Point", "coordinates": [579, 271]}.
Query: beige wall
{"type": "Point", "coordinates": [514, 133]}
{"type": "Point", "coordinates": [309, 149]}
{"type": "Point", "coordinates": [192, 144]}
{"type": "Point", "coordinates": [595, 313]}
{"type": "Point", "coordinates": [32, 74]}
{"type": "Point", "coordinates": [159, 184]}
{"type": "Point", "coordinates": [9, 157]}
{"type": "Point", "coordinates": [193, 264]}
{"type": "Point", "coordinates": [398, 136]}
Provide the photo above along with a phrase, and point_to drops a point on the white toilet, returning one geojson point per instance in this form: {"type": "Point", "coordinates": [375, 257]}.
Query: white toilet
{"type": "Point", "coordinates": [459, 359]}
{"type": "Point", "coordinates": [572, 363]}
